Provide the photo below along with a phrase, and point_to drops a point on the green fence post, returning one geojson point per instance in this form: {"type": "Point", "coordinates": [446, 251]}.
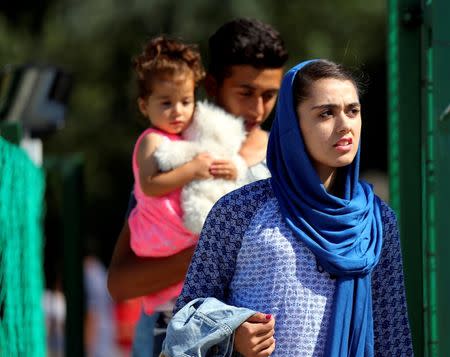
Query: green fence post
{"type": "Point", "coordinates": [72, 180]}
{"type": "Point", "coordinates": [419, 94]}
{"type": "Point", "coordinates": [440, 37]}
{"type": "Point", "coordinates": [404, 98]}
{"type": "Point", "coordinates": [431, 331]}
{"type": "Point", "coordinates": [68, 173]}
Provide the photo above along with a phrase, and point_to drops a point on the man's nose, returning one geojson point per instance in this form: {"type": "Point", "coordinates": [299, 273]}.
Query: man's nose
{"type": "Point", "coordinates": [258, 107]}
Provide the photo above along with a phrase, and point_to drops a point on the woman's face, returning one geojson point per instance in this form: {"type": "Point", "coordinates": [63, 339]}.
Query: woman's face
{"type": "Point", "coordinates": [330, 121]}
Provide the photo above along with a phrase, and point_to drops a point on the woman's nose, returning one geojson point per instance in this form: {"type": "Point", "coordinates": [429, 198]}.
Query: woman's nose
{"type": "Point", "coordinates": [345, 123]}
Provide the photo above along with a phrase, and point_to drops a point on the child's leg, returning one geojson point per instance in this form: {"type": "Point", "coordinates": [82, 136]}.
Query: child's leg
{"type": "Point", "coordinates": [143, 343]}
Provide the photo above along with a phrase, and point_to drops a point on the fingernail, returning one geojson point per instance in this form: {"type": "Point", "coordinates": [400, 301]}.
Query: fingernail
{"type": "Point", "coordinates": [268, 316]}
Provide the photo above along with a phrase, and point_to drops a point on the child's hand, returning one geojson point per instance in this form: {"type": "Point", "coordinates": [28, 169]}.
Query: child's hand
{"type": "Point", "coordinates": [254, 338]}
{"type": "Point", "coordinates": [202, 165]}
{"type": "Point", "coordinates": [224, 169]}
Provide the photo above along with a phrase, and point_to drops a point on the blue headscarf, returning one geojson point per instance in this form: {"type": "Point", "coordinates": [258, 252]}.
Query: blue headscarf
{"type": "Point", "coordinates": [345, 234]}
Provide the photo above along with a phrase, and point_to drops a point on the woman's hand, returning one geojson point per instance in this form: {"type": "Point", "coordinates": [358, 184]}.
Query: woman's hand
{"type": "Point", "coordinates": [254, 338]}
{"type": "Point", "coordinates": [224, 169]}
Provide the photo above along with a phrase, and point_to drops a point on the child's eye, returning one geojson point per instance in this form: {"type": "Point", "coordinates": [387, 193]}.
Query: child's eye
{"type": "Point", "coordinates": [245, 94]}
{"type": "Point", "coordinates": [187, 102]}
{"type": "Point", "coordinates": [166, 103]}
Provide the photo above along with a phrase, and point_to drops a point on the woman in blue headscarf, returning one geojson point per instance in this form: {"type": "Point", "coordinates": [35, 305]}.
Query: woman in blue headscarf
{"type": "Point", "coordinates": [312, 246]}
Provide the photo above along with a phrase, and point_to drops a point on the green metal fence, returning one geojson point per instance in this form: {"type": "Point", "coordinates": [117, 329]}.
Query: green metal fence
{"type": "Point", "coordinates": [22, 327]}
{"type": "Point", "coordinates": [22, 185]}
{"type": "Point", "coordinates": [440, 117]}
{"type": "Point", "coordinates": [419, 137]}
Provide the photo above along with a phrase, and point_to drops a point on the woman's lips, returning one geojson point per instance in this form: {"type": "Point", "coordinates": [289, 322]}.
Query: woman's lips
{"type": "Point", "coordinates": [344, 145]}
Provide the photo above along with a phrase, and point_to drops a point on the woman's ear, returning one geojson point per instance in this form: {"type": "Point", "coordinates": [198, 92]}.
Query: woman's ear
{"type": "Point", "coordinates": [211, 86]}
{"type": "Point", "coordinates": [142, 105]}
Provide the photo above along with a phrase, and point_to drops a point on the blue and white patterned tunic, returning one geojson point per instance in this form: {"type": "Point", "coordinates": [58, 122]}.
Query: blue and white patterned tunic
{"type": "Point", "coordinates": [247, 256]}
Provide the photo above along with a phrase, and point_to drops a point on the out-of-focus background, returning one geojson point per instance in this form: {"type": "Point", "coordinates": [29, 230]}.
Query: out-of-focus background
{"type": "Point", "coordinates": [94, 42]}
{"type": "Point", "coordinates": [85, 49]}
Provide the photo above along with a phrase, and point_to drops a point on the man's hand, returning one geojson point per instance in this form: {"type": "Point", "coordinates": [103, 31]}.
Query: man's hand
{"type": "Point", "coordinates": [254, 338]}
{"type": "Point", "coordinates": [224, 169]}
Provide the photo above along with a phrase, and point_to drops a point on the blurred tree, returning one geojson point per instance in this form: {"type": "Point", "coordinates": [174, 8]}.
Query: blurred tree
{"type": "Point", "coordinates": [96, 39]}
{"type": "Point", "coordinates": [22, 13]}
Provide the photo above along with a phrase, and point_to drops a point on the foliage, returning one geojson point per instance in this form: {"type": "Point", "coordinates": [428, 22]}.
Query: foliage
{"type": "Point", "coordinates": [96, 39]}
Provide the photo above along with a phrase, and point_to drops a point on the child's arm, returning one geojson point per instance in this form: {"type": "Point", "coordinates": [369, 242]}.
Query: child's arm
{"type": "Point", "coordinates": [156, 183]}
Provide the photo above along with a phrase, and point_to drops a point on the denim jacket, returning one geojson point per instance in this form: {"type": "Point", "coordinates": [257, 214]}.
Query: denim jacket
{"type": "Point", "coordinates": [204, 328]}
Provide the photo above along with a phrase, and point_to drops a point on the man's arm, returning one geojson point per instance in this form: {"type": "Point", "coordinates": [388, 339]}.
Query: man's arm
{"type": "Point", "coordinates": [130, 276]}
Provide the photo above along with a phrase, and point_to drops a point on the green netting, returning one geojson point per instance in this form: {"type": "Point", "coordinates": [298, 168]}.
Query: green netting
{"type": "Point", "coordinates": [22, 327]}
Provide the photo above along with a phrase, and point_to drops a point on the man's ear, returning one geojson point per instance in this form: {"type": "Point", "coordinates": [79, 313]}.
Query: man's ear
{"type": "Point", "coordinates": [142, 105]}
{"type": "Point", "coordinates": [211, 86]}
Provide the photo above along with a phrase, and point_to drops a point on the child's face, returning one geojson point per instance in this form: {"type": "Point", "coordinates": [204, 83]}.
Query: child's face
{"type": "Point", "coordinates": [171, 104]}
{"type": "Point", "coordinates": [249, 92]}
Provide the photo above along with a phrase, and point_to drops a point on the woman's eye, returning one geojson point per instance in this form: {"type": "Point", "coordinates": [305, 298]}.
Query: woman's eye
{"type": "Point", "coordinates": [354, 112]}
{"type": "Point", "coordinates": [326, 113]}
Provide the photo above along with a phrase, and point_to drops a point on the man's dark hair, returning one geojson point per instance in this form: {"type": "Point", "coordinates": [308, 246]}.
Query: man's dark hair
{"type": "Point", "coordinates": [245, 42]}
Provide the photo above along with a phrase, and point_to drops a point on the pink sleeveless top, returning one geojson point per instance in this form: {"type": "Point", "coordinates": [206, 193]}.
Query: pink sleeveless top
{"type": "Point", "coordinates": [156, 227]}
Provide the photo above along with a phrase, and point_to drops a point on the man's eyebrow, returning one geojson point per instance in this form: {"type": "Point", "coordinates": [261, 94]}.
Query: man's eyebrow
{"type": "Point", "coordinates": [333, 106]}
{"type": "Point", "coordinates": [250, 87]}
{"type": "Point", "coordinates": [245, 86]}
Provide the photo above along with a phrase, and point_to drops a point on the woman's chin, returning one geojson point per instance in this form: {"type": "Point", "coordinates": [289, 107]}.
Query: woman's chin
{"type": "Point", "coordinates": [344, 160]}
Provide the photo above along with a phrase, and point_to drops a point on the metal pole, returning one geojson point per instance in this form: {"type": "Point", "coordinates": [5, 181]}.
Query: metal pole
{"type": "Point", "coordinates": [429, 187]}
{"type": "Point", "coordinates": [440, 121]}
{"type": "Point", "coordinates": [68, 172]}
{"type": "Point", "coordinates": [72, 180]}
{"type": "Point", "coordinates": [405, 156]}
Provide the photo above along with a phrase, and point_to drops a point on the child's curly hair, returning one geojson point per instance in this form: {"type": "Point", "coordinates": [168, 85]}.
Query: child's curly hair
{"type": "Point", "coordinates": [163, 56]}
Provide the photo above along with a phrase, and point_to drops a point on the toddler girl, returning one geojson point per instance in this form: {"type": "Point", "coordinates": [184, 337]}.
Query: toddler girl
{"type": "Point", "coordinates": [168, 73]}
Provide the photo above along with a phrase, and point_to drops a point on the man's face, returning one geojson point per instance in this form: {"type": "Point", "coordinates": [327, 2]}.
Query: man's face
{"type": "Point", "coordinates": [249, 92]}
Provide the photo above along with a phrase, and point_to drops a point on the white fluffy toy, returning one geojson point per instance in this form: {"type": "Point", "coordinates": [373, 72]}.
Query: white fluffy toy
{"type": "Point", "coordinates": [221, 135]}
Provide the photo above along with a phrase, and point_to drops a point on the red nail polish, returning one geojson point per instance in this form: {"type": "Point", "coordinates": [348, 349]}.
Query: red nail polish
{"type": "Point", "coordinates": [268, 316]}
